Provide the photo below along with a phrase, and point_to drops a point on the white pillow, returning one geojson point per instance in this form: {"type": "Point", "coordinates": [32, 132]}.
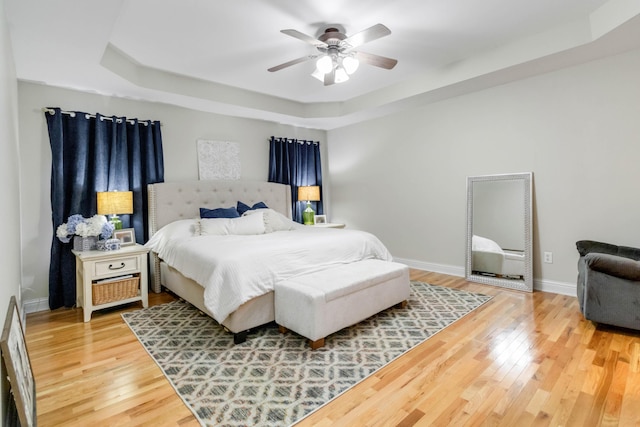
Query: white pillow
{"type": "Point", "coordinates": [273, 221]}
{"type": "Point", "coordinates": [213, 226]}
{"type": "Point", "coordinates": [174, 230]}
{"type": "Point", "coordinates": [246, 225]}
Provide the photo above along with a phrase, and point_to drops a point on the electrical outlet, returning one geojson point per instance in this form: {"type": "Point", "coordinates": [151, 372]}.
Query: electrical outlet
{"type": "Point", "coordinates": [548, 257]}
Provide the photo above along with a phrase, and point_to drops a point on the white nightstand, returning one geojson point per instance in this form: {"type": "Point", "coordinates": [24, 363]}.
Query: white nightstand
{"type": "Point", "coordinates": [329, 225]}
{"type": "Point", "coordinates": [96, 268]}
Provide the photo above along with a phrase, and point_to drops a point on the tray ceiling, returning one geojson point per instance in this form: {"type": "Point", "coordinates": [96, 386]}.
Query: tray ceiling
{"type": "Point", "coordinates": [213, 56]}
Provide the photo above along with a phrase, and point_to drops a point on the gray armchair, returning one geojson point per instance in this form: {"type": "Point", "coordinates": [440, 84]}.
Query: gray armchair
{"type": "Point", "coordinates": [609, 283]}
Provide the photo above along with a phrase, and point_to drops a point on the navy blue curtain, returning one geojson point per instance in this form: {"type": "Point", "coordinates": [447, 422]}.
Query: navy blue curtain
{"type": "Point", "coordinates": [296, 162]}
{"type": "Point", "coordinates": [91, 153]}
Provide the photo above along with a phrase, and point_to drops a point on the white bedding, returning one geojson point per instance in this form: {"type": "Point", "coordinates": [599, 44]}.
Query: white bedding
{"type": "Point", "coordinates": [234, 269]}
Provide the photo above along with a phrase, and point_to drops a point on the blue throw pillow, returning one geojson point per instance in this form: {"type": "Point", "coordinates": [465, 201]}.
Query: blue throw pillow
{"type": "Point", "coordinates": [219, 213]}
{"type": "Point", "coordinates": [242, 208]}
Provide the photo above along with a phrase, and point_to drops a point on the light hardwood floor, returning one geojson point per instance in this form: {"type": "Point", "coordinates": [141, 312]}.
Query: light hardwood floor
{"type": "Point", "coordinates": [521, 359]}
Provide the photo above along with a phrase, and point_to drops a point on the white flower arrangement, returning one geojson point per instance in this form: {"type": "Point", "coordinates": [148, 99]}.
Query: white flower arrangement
{"type": "Point", "coordinates": [78, 225]}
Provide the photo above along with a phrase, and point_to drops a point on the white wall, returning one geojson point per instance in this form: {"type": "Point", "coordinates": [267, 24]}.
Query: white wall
{"type": "Point", "coordinates": [9, 190]}
{"type": "Point", "coordinates": [403, 177]}
{"type": "Point", "coordinates": [180, 129]}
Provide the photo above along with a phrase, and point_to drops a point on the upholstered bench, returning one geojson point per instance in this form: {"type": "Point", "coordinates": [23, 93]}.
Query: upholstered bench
{"type": "Point", "coordinates": [321, 303]}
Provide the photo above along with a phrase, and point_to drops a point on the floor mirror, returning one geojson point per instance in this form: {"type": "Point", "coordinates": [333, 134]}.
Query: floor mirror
{"type": "Point", "coordinates": [499, 230]}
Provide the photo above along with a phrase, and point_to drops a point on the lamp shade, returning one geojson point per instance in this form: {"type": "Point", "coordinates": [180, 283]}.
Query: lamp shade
{"type": "Point", "coordinates": [341, 75]}
{"type": "Point", "coordinates": [324, 64]}
{"type": "Point", "coordinates": [309, 193]}
{"type": "Point", "coordinates": [115, 202]}
{"type": "Point", "coordinates": [350, 64]}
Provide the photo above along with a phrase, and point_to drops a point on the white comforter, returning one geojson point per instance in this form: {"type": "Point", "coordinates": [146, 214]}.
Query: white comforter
{"type": "Point", "coordinates": [234, 269]}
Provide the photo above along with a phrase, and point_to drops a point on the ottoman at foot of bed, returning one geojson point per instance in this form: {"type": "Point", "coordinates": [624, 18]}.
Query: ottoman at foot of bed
{"type": "Point", "coordinates": [321, 303]}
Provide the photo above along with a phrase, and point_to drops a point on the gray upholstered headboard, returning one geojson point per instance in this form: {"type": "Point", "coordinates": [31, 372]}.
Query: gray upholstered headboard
{"type": "Point", "coordinates": [172, 201]}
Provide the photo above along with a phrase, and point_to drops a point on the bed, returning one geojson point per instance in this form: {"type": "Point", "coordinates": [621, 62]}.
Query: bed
{"type": "Point", "coordinates": [489, 258]}
{"type": "Point", "coordinates": [231, 277]}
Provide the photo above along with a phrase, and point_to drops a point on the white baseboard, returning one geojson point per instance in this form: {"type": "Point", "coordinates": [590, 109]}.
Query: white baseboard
{"type": "Point", "coordinates": [35, 305]}
{"type": "Point", "coordinates": [42, 304]}
{"type": "Point", "coordinates": [551, 286]}
{"type": "Point", "coordinates": [451, 270]}
{"type": "Point", "coordinates": [554, 287]}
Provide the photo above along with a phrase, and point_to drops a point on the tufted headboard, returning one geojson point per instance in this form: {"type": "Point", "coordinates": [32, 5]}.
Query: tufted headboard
{"type": "Point", "coordinates": [172, 201]}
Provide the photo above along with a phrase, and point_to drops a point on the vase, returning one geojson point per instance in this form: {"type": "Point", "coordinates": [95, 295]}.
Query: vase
{"type": "Point", "coordinates": [108, 245]}
{"type": "Point", "coordinates": [84, 243]}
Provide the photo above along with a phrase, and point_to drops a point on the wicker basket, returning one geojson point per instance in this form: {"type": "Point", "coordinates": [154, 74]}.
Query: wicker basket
{"type": "Point", "coordinates": [103, 293]}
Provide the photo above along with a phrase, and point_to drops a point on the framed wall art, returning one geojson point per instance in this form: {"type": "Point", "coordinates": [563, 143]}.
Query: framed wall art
{"type": "Point", "coordinates": [16, 359]}
{"type": "Point", "coordinates": [218, 160]}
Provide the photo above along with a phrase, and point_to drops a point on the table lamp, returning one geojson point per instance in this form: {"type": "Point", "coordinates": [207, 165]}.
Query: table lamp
{"type": "Point", "coordinates": [309, 193]}
{"type": "Point", "coordinates": [114, 203]}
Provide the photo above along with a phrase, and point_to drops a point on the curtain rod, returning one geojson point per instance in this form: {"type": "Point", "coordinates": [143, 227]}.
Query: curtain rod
{"type": "Point", "coordinates": [93, 116]}
{"type": "Point", "coordinates": [299, 141]}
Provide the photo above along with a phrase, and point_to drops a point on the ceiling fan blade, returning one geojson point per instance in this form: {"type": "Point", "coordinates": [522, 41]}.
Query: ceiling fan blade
{"type": "Point", "coordinates": [305, 38]}
{"type": "Point", "coordinates": [377, 60]}
{"type": "Point", "coordinates": [330, 78]}
{"type": "Point", "coordinates": [292, 62]}
{"type": "Point", "coordinates": [370, 34]}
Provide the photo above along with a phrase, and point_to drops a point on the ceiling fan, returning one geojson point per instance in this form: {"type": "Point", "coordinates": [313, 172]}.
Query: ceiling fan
{"type": "Point", "coordinates": [337, 58]}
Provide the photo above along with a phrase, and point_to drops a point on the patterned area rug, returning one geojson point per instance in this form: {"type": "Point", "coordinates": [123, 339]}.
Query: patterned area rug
{"type": "Point", "coordinates": [274, 379]}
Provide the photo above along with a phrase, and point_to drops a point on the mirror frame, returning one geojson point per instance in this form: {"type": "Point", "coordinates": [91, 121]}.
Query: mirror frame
{"type": "Point", "coordinates": [522, 285]}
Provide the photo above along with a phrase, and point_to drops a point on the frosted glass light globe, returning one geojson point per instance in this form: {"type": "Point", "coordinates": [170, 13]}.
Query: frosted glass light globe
{"type": "Point", "coordinates": [350, 64]}
{"type": "Point", "coordinates": [324, 64]}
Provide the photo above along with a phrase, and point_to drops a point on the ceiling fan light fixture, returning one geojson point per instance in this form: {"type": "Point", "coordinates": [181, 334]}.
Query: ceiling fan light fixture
{"type": "Point", "coordinates": [318, 74]}
{"type": "Point", "coordinates": [350, 64]}
{"type": "Point", "coordinates": [337, 60]}
{"type": "Point", "coordinates": [341, 75]}
{"type": "Point", "coordinates": [325, 64]}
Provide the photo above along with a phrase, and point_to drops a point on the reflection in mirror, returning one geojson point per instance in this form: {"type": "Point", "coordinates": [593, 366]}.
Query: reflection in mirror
{"type": "Point", "coordinates": [499, 236]}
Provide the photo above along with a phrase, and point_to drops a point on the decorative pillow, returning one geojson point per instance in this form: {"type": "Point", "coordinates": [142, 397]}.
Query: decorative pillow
{"type": "Point", "coordinates": [246, 225]}
{"type": "Point", "coordinates": [273, 221]}
{"type": "Point", "coordinates": [242, 208]}
{"type": "Point", "coordinates": [219, 213]}
{"type": "Point", "coordinates": [175, 230]}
